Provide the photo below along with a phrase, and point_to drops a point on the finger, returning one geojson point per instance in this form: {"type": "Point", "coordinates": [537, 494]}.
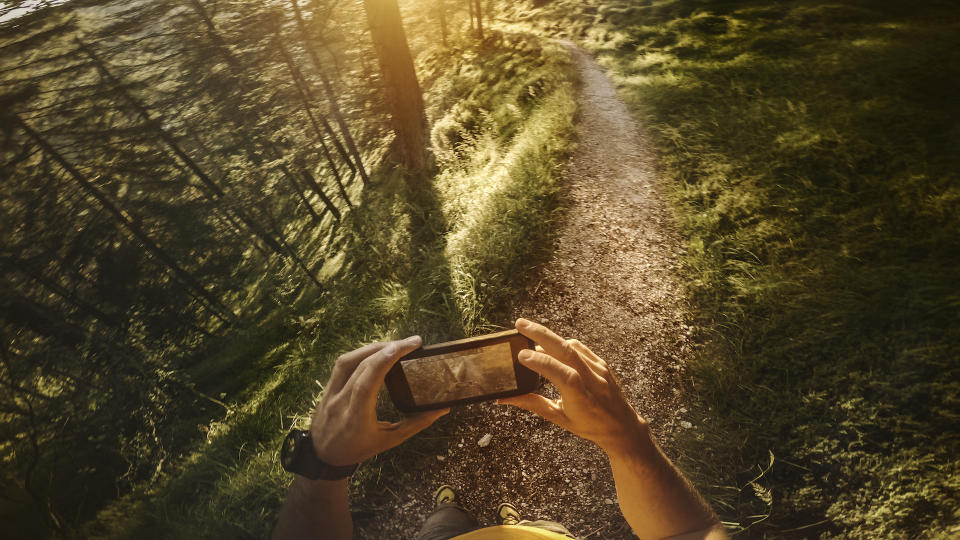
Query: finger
{"type": "Point", "coordinates": [564, 377]}
{"type": "Point", "coordinates": [595, 362]}
{"type": "Point", "coordinates": [368, 377]}
{"type": "Point", "coordinates": [398, 432]}
{"type": "Point", "coordinates": [552, 344]}
{"type": "Point", "coordinates": [548, 409]}
{"type": "Point", "coordinates": [347, 363]}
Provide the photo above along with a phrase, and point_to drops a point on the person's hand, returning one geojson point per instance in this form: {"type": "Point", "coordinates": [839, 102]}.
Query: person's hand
{"type": "Point", "coordinates": [591, 404]}
{"type": "Point", "coordinates": [344, 428]}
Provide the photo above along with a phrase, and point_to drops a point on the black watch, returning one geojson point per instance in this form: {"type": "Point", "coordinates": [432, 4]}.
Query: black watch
{"type": "Point", "coordinates": [297, 456]}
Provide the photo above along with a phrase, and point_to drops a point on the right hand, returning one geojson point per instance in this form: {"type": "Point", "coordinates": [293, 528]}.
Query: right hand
{"type": "Point", "coordinates": [591, 404]}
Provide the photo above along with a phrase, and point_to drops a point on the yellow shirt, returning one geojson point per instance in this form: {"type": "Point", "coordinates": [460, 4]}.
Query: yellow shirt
{"type": "Point", "coordinates": [519, 532]}
{"type": "Point", "coordinates": [512, 532]}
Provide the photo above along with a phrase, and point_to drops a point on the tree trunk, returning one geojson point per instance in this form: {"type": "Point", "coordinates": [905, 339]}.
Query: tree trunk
{"type": "Point", "coordinates": [442, 12]}
{"type": "Point", "coordinates": [291, 251]}
{"type": "Point", "coordinates": [218, 41]}
{"type": "Point", "coordinates": [400, 81]}
{"type": "Point", "coordinates": [319, 191]}
{"type": "Point", "coordinates": [479, 20]}
{"type": "Point", "coordinates": [303, 198]}
{"type": "Point", "coordinates": [331, 95]}
{"type": "Point", "coordinates": [302, 92]}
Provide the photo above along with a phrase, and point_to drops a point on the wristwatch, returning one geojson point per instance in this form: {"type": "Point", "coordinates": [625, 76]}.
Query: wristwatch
{"type": "Point", "coordinates": [297, 456]}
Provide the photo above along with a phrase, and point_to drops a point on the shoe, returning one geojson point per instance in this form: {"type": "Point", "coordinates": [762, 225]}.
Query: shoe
{"type": "Point", "coordinates": [444, 494]}
{"type": "Point", "coordinates": [507, 514]}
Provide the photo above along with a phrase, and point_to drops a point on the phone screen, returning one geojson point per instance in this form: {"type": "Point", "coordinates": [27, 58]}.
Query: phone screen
{"type": "Point", "coordinates": [460, 374]}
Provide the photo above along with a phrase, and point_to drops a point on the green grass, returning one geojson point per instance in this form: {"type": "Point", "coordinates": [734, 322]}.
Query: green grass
{"type": "Point", "coordinates": [811, 149]}
{"type": "Point", "coordinates": [439, 258]}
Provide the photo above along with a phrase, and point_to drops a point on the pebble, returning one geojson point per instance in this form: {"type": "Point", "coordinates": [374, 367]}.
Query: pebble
{"type": "Point", "coordinates": [485, 440]}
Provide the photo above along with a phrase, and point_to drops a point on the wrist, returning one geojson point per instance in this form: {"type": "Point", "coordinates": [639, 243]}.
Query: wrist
{"type": "Point", "coordinates": [335, 457]}
{"type": "Point", "coordinates": [307, 493]}
{"type": "Point", "coordinates": [310, 505]}
{"type": "Point", "coordinates": [632, 441]}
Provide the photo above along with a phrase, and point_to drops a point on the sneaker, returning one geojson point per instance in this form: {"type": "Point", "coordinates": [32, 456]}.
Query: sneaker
{"type": "Point", "coordinates": [444, 494]}
{"type": "Point", "coordinates": [508, 514]}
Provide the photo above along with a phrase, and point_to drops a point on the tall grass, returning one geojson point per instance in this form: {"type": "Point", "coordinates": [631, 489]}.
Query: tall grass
{"type": "Point", "coordinates": [502, 199]}
{"type": "Point", "coordinates": [437, 257]}
{"type": "Point", "coordinates": [812, 149]}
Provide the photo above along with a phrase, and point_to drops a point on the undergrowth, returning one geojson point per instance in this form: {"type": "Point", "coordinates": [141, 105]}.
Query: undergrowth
{"type": "Point", "coordinates": [437, 256]}
{"type": "Point", "coordinates": [811, 148]}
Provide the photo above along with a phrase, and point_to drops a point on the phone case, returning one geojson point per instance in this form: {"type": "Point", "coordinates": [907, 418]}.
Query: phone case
{"type": "Point", "coordinates": [526, 380]}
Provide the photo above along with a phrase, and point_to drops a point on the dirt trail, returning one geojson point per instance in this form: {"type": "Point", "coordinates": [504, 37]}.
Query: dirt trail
{"type": "Point", "coordinates": [611, 284]}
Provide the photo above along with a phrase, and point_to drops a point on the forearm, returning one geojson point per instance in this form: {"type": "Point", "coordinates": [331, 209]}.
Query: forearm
{"type": "Point", "coordinates": [655, 497]}
{"type": "Point", "coordinates": [315, 509]}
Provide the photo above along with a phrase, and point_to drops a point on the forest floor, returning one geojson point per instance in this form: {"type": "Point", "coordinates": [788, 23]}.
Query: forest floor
{"type": "Point", "coordinates": [612, 284]}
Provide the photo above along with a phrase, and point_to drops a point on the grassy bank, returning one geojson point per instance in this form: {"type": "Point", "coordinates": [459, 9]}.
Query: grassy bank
{"type": "Point", "coordinates": [811, 148]}
{"type": "Point", "coordinates": [438, 258]}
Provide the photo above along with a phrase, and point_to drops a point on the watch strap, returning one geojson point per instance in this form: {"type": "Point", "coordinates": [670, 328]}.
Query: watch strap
{"type": "Point", "coordinates": [305, 462]}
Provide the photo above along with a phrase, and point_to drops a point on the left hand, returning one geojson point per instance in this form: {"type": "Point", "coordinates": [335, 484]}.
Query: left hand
{"type": "Point", "coordinates": [344, 427]}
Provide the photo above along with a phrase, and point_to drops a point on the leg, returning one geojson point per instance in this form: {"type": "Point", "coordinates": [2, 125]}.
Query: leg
{"type": "Point", "coordinates": [448, 519]}
{"type": "Point", "coordinates": [509, 515]}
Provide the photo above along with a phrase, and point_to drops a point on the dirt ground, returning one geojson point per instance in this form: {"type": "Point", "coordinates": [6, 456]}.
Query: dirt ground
{"type": "Point", "coordinates": [612, 284]}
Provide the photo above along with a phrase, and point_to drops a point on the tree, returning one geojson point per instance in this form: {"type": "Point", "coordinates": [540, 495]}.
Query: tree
{"type": "Point", "coordinates": [479, 14]}
{"type": "Point", "coordinates": [331, 96]}
{"type": "Point", "coordinates": [304, 95]}
{"type": "Point", "coordinates": [401, 86]}
{"type": "Point", "coordinates": [442, 15]}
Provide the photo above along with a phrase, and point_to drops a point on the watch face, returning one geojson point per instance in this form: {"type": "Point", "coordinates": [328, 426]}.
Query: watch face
{"type": "Point", "coordinates": [289, 450]}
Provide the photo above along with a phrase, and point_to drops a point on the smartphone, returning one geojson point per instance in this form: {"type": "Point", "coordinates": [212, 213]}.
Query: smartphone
{"type": "Point", "coordinates": [463, 371]}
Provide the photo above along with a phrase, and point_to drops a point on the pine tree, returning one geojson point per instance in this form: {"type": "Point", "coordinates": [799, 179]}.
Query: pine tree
{"type": "Point", "coordinates": [401, 86]}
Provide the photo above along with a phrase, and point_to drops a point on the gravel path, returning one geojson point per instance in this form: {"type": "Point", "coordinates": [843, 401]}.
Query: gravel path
{"type": "Point", "coordinates": [612, 284]}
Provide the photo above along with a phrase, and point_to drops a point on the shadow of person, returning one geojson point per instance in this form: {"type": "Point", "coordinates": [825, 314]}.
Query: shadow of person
{"type": "Point", "coordinates": [432, 309]}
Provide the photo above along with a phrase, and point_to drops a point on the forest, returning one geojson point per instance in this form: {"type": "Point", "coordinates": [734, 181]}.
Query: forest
{"type": "Point", "coordinates": [205, 202]}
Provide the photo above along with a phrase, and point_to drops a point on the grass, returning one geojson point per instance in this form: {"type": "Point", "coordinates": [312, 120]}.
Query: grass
{"type": "Point", "coordinates": [439, 258]}
{"type": "Point", "coordinates": [811, 149]}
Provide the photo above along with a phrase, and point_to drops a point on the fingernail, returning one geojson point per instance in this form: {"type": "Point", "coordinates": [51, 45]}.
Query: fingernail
{"type": "Point", "coordinates": [414, 340]}
{"type": "Point", "coordinates": [525, 354]}
{"type": "Point", "coordinates": [523, 323]}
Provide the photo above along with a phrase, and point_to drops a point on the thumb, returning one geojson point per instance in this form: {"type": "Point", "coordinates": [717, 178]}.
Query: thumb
{"type": "Point", "coordinates": [547, 408]}
{"type": "Point", "coordinates": [408, 427]}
